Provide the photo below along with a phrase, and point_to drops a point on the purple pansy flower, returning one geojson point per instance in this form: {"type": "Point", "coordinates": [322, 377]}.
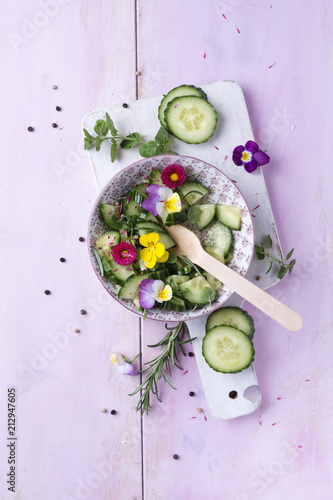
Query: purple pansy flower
{"type": "Point", "coordinates": [153, 290]}
{"type": "Point", "coordinates": [250, 156]}
{"type": "Point", "coordinates": [150, 203]}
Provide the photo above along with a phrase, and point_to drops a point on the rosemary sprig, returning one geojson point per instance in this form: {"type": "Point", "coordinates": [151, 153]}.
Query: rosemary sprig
{"type": "Point", "coordinates": [189, 263]}
{"type": "Point", "coordinates": [159, 366]}
{"type": "Point", "coordinates": [284, 266]}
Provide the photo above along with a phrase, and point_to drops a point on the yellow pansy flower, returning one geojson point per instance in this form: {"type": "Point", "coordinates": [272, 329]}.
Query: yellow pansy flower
{"type": "Point", "coordinates": [154, 251]}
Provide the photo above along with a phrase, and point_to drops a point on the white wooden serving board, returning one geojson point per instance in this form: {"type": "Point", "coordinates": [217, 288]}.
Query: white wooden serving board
{"type": "Point", "coordinates": [233, 129]}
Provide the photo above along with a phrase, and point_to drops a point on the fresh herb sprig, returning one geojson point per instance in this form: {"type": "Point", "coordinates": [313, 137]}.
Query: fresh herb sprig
{"type": "Point", "coordinates": [161, 144]}
{"type": "Point", "coordinates": [159, 366]}
{"type": "Point", "coordinates": [284, 266]}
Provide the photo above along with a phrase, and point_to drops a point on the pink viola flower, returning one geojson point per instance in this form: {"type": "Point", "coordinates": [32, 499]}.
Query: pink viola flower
{"type": "Point", "coordinates": [173, 176]}
{"type": "Point", "coordinates": [151, 291]}
{"type": "Point", "coordinates": [124, 253]}
{"type": "Point", "coordinates": [123, 365]}
{"type": "Point", "coordinates": [250, 156]}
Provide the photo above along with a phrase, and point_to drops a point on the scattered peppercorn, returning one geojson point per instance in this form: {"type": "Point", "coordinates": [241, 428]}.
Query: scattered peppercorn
{"type": "Point", "coordinates": [258, 278]}
{"type": "Point", "coordinates": [83, 311]}
{"type": "Point", "coordinates": [47, 292]}
{"type": "Point", "coordinates": [191, 394]}
{"type": "Point", "coordinates": [77, 330]}
{"type": "Point", "coordinates": [58, 108]}
{"type": "Point", "coordinates": [191, 354]}
{"type": "Point", "coordinates": [113, 412]}
{"type": "Point", "coordinates": [54, 87]}
{"type": "Point", "coordinates": [103, 410]}
{"type": "Point", "coordinates": [125, 105]}
{"type": "Point", "coordinates": [116, 204]}
{"type": "Point", "coordinates": [62, 259]}
{"type": "Point", "coordinates": [54, 125]}
{"type": "Point", "coordinates": [30, 129]}
{"type": "Point", "coordinates": [175, 457]}
{"type": "Point", "coordinates": [81, 238]}
{"type": "Point", "coordinates": [138, 73]}
{"type": "Point", "coordinates": [200, 410]}
{"type": "Point", "coordinates": [196, 274]}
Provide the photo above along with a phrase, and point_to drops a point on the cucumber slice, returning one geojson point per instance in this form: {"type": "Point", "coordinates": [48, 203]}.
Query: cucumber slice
{"type": "Point", "coordinates": [122, 273]}
{"type": "Point", "coordinates": [215, 252]}
{"type": "Point", "coordinates": [191, 119]}
{"type": "Point", "coordinates": [105, 243]}
{"type": "Point", "coordinates": [130, 290]}
{"type": "Point", "coordinates": [147, 216]}
{"type": "Point", "coordinates": [159, 274]}
{"type": "Point", "coordinates": [230, 216]}
{"type": "Point", "coordinates": [227, 350]}
{"type": "Point", "coordinates": [110, 214]}
{"type": "Point", "coordinates": [197, 291]}
{"type": "Point", "coordinates": [132, 209]}
{"type": "Point", "coordinates": [232, 316]}
{"type": "Point", "coordinates": [175, 218]}
{"type": "Point", "coordinates": [175, 280]}
{"type": "Point", "coordinates": [178, 92]}
{"type": "Point", "coordinates": [193, 192]}
{"type": "Point", "coordinates": [141, 189]}
{"type": "Point", "coordinates": [218, 236]}
{"type": "Point", "coordinates": [206, 215]}
{"type": "Point", "coordinates": [152, 227]}
{"type": "Point", "coordinates": [214, 282]}
{"type": "Point", "coordinates": [176, 304]}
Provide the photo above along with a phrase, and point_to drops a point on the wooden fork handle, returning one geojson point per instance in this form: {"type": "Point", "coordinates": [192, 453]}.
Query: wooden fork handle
{"type": "Point", "coordinates": [257, 297]}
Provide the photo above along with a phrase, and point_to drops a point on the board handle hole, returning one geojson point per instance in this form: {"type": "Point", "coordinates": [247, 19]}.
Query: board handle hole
{"type": "Point", "coordinates": [233, 394]}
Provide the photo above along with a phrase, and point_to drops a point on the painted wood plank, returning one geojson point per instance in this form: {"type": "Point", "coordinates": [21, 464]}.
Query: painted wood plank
{"type": "Point", "coordinates": [67, 448]}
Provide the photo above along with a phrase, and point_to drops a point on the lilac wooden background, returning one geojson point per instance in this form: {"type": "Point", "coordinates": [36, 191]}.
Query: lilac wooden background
{"type": "Point", "coordinates": [281, 55]}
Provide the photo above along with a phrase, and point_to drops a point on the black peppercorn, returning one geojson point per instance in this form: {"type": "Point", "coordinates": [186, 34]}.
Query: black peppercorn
{"type": "Point", "coordinates": [191, 394]}
{"type": "Point", "coordinates": [47, 292]}
{"type": "Point", "coordinates": [125, 105]}
{"type": "Point", "coordinates": [83, 311]}
{"type": "Point", "coordinates": [81, 238]}
{"type": "Point", "coordinates": [175, 457]}
{"type": "Point", "coordinates": [30, 129]}
{"type": "Point", "coordinates": [113, 412]}
{"type": "Point", "coordinates": [62, 259]}
{"type": "Point", "coordinates": [54, 125]}
{"type": "Point", "coordinates": [58, 108]}
{"type": "Point", "coordinates": [191, 354]}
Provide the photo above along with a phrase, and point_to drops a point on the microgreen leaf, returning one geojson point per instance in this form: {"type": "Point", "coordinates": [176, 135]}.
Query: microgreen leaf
{"type": "Point", "coordinates": [88, 143]}
{"type": "Point", "coordinates": [113, 151]}
{"type": "Point", "coordinates": [282, 272]}
{"type": "Point", "coordinates": [162, 136]}
{"type": "Point", "coordinates": [101, 128]}
{"type": "Point", "coordinates": [98, 143]}
{"type": "Point", "coordinates": [130, 140]}
{"type": "Point", "coordinates": [149, 149]}
{"type": "Point", "coordinates": [110, 125]}
{"type": "Point", "coordinates": [88, 136]}
{"type": "Point", "coordinates": [260, 252]}
{"type": "Point", "coordinates": [289, 254]}
{"type": "Point", "coordinates": [193, 214]}
{"type": "Point", "coordinates": [291, 265]}
{"type": "Point", "coordinates": [270, 243]}
{"type": "Point", "coordinates": [270, 267]}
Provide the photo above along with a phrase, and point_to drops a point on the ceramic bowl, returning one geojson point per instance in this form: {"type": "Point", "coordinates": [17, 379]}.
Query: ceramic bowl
{"type": "Point", "coordinates": [222, 190]}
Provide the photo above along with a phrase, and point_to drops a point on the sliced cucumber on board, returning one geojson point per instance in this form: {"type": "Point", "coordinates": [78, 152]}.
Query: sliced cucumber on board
{"type": "Point", "coordinates": [231, 316]}
{"type": "Point", "coordinates": [191, 119]}
{"type": "Point", "coordinates": [193, 191]}
{"type": "Point", "coordinates": [180, 91]}
{"type": "Point", "coordinates": [227, 349]}
{"type": "Point", "coordinates": [218, 236]}
{"type": "Point", "coordinates": [230, 216]}
{"type": "Point", "coordinates": [206, 215]}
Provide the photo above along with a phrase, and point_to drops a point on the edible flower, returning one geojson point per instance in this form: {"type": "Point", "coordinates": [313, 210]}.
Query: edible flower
{"type": "Point", "coordinates": [154, 250]}
{"type": "Point", "coordinates": [124, 253]}
{"type": "Point", "coordinates": [173, 176]}
{"type": "Point", "coordinates": [250, 156]}
{"type": "Point", "coordinates": [123, 365]}
{"type": "Point", "coordinates": [151, 291]}
{"type": "Point", "coordinates": [161, 201]}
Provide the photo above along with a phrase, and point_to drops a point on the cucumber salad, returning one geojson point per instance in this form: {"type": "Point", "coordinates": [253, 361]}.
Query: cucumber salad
{"type": "Point", "coordinates": [135, 251]}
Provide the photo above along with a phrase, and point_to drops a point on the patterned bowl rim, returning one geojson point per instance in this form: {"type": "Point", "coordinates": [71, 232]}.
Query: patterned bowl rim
{"type": "Point", "coordinates": [214, 305]}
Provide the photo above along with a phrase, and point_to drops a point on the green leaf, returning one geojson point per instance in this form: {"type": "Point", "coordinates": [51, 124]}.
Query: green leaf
{"type": "Point", "coordinates": [148, 149]}
{"type": "Point", "coordinates": [290, 254]}
{"type": "Point", "coordinates": [193, 214]}
{"type": "Point", "coordinates": [88, 143]}
{"type": "Point", "coordinates": [162, 136]}
{"type": "Point", "coordinates": [291, 265]}
{"type": "Point", "coordinates": [98, 143]}
{"type": "Point", "coordinates": [98, 260]}
{"type": "Point", "coordinates": [110, 125]}
{"type": "Point", "coordinates": [208, 294]}
{"type": "Point", "coordinates": [101, 128]}
{"type": "Point", "coordinates": [113, 152]}
{"type": "Point", "coordinates": [130, 140]}
{"type": "Point", "coordinates": [260, 252]}
{"type": "Point", "coordinates": [270, 243]}
{"type": "Point", "coordinates": [270, 267]}
{"type": "Point", "coordinates": [282, 272]}
{"type": "Point", "coordinates": [88, 136]}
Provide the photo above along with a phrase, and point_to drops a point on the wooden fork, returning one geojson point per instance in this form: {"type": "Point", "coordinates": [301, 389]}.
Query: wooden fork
{"type": "Point", "coordinates": [188, 244]}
